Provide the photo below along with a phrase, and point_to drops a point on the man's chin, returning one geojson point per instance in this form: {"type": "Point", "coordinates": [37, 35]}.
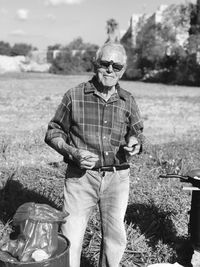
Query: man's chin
{"type": "Point", "coordinates": [108, 83]}
{"type": "Point", "coordinates": [109, 86]}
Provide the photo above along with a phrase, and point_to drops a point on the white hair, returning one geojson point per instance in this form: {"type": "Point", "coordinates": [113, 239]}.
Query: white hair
{"type": "Point", "coordinates": [115, 46]}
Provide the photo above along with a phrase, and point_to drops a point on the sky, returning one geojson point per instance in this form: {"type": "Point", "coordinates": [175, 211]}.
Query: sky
{"type": "Point", "coordinates": [48, 22]}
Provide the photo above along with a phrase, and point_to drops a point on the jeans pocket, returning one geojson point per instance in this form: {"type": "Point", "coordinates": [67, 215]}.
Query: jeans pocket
{"type": "Point", "coordinates": [73, 180]}
{"type": "Point", "coordinates": [124, 174]}
{"type": "Point", "coordinates": [74, 174]}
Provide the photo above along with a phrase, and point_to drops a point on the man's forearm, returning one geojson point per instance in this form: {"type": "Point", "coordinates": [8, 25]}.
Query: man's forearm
{"type": "Point", "coordinates": [62, 147]}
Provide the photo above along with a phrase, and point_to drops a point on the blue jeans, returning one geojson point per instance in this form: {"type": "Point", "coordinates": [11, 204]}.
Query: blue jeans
{"type": "Point", "coordinates": [82, 192]}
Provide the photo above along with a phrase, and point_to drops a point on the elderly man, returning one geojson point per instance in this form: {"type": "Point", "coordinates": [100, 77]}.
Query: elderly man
{"type": "Point", "coordinates": [96, 128]}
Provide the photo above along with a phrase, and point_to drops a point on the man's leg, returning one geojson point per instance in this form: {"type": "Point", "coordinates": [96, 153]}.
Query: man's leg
{"type": "Point", "coordinates": [114, 194]}
{"type": "Point", "coordinates": [80, 197]}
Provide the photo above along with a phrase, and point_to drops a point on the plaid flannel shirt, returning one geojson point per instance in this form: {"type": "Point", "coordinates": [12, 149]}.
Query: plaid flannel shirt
{"type": "Point", "coordinates": [86, 121]}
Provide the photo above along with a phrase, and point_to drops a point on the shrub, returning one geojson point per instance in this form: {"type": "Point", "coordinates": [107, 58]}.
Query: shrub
{"type": "Point", "coordinates": [21, 49]}
{"type": "Point", "coordinates": [72, 59]}
{"type": "Point", "coordinates": [5, 48]}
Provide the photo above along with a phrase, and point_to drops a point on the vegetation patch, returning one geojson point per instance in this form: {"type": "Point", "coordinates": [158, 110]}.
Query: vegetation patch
{"type": "Point", "coordinates": [157, 215]}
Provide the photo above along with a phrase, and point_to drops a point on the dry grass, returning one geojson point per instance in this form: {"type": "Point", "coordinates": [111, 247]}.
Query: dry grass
{"type": "Point", "coordinates": [157, 214]}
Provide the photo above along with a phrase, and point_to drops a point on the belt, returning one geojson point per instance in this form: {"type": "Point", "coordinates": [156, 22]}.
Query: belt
{"type": "Point", "coordinates": [112, 168]}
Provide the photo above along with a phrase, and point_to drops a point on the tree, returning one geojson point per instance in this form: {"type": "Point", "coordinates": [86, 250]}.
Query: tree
{"type": "Point", "coordinates": [112, 27]}
{"type": "Point", "coordinates": [54, 47]}
{"type": "Point", "coordinates": [21, 49]}
{"type": "Point", "coordinates": [5, 48]}
{"type": "Point", "coordinates": [65, 63]}
{"type": "Point", "coordinates": [77, 44]}
{"type": "Point", "coordinates": [76, 57]}
{"type": "Point", "coordinates": [87, 57]}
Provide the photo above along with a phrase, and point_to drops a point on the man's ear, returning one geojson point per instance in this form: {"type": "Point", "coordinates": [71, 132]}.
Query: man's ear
{"type": "Point", "coordinates": [94, 63]}
{"type": "Point", "coordinates": [122, 71]}
{"type": "Point", "coordinates": [93, 60]}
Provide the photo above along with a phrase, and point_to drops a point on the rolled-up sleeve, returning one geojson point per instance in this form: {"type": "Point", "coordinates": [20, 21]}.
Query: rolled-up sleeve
{"type": "Point", "coordinates": [60, 124]}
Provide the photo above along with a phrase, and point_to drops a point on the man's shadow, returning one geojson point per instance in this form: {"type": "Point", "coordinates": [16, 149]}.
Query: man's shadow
{"type": "Point", "coordinates": [14, 194]}
{"type": "Point", "coordinates": [156, 224]}
{"type": "Point", "coordinates": [153, 222]}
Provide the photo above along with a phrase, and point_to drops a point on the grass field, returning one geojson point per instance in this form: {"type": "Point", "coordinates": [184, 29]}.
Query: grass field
{"type": "Point", "coordinates": [157, 214]}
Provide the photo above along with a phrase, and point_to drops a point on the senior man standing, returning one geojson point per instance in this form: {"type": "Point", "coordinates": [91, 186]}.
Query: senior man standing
{"type": "Point", "coordinates": [96, 128]}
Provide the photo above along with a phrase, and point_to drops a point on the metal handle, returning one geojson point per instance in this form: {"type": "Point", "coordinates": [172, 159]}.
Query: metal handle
{"type": "Point", "coordinates": [182, 177]}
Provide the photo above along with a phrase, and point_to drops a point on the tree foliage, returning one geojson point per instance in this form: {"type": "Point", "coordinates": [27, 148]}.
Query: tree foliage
{"type": "Point", "coordinates": [76, 57]}
{"type": "Point", "coordinates": [5, 48]}
{"type": "Point", "coordinates": [112, 28]}
{"type": "Point", "coordinates": [158, 55]}
{"type": "Point", "coordinates": [19, 49]}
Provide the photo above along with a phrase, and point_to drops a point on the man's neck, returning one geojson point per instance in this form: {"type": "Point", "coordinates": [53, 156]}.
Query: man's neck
{"type": "Point", "coordinates": [106, 94]}
{"type": "Point", "coordinates": [105, 91]}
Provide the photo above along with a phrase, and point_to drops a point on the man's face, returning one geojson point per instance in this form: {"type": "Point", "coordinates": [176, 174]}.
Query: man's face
{"type": "Point", "coordinates": [111, 67]}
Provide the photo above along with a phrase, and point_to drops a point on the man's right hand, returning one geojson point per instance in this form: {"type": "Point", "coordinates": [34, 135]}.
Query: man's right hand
{"type": "Point", "coordinates": [85, 159]}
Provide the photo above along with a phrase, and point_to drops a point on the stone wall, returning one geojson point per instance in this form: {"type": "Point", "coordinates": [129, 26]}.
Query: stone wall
{"type": "Point", "coordinates": [169, 24]}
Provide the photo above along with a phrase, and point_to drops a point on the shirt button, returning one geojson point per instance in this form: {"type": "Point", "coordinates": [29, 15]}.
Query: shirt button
{"type": "Point", "coordinates": [106, 153]}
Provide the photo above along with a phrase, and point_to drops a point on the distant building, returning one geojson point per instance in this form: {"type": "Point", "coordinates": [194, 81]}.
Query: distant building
{"type": "Point", "coordinates": [39, 56]}
{"type": "Point", "coordinates": [169, 24]}
{"type": "Point", "coordinates": [136, 23]}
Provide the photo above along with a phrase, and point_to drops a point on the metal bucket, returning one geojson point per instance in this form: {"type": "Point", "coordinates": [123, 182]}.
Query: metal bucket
{"type": "Point", "coordinates": [195, 220]}
{"type": "Point", "coordinates": [59, 259]}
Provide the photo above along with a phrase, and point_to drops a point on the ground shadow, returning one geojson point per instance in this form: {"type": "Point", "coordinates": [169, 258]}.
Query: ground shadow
{"type": "Point", "coordinates": [13, 194]}
{"type": "Point", "coordinates": [29, 184]}
{"type": "Point", "coordinates": [85, 262]}
{"type": "Point", "coordinates": [156, 224]}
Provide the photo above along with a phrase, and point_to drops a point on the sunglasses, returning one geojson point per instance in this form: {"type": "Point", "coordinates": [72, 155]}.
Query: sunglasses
{"type": "Point", "coordinates": [105, 64]}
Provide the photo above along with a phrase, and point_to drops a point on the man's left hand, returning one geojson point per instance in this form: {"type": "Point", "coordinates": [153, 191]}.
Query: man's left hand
{"type": "Point", "coordinates": [133, 146]}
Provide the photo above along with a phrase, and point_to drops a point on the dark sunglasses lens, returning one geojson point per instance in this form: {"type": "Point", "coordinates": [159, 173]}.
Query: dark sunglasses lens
{"type": "Point", "coordinates": [104, 64]}
{"type": "Point", "coordinates": [117, 67]}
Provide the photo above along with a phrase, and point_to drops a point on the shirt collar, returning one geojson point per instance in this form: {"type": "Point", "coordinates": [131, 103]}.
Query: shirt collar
{"type": "Point", "coordinates": [91, 88]}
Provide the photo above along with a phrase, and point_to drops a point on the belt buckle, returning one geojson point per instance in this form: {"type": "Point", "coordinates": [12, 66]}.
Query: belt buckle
{"type": "Point", "coordinates": [107, 169]}
{"type": "Point", "coordinates": [114, 169]}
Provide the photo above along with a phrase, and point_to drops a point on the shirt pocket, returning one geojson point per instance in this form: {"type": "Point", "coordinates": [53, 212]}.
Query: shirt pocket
{"type": "Point", "coordinates": [118, 131]}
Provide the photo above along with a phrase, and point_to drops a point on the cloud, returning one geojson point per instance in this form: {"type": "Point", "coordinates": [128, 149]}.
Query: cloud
{"type": "Point", "coordinates": [22, 14]}
{"type": "Point", "coordinates": [59, 2]}
{"type": "Point", "coordinates": [18, 32]}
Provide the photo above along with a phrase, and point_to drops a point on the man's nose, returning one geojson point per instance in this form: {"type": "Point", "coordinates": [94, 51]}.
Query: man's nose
{"type": "Point", "coordinates": [110, 68]}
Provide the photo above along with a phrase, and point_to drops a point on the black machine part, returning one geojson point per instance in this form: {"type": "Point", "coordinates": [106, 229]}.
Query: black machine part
{"type": "Point", "coordinates": [192, 177]}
